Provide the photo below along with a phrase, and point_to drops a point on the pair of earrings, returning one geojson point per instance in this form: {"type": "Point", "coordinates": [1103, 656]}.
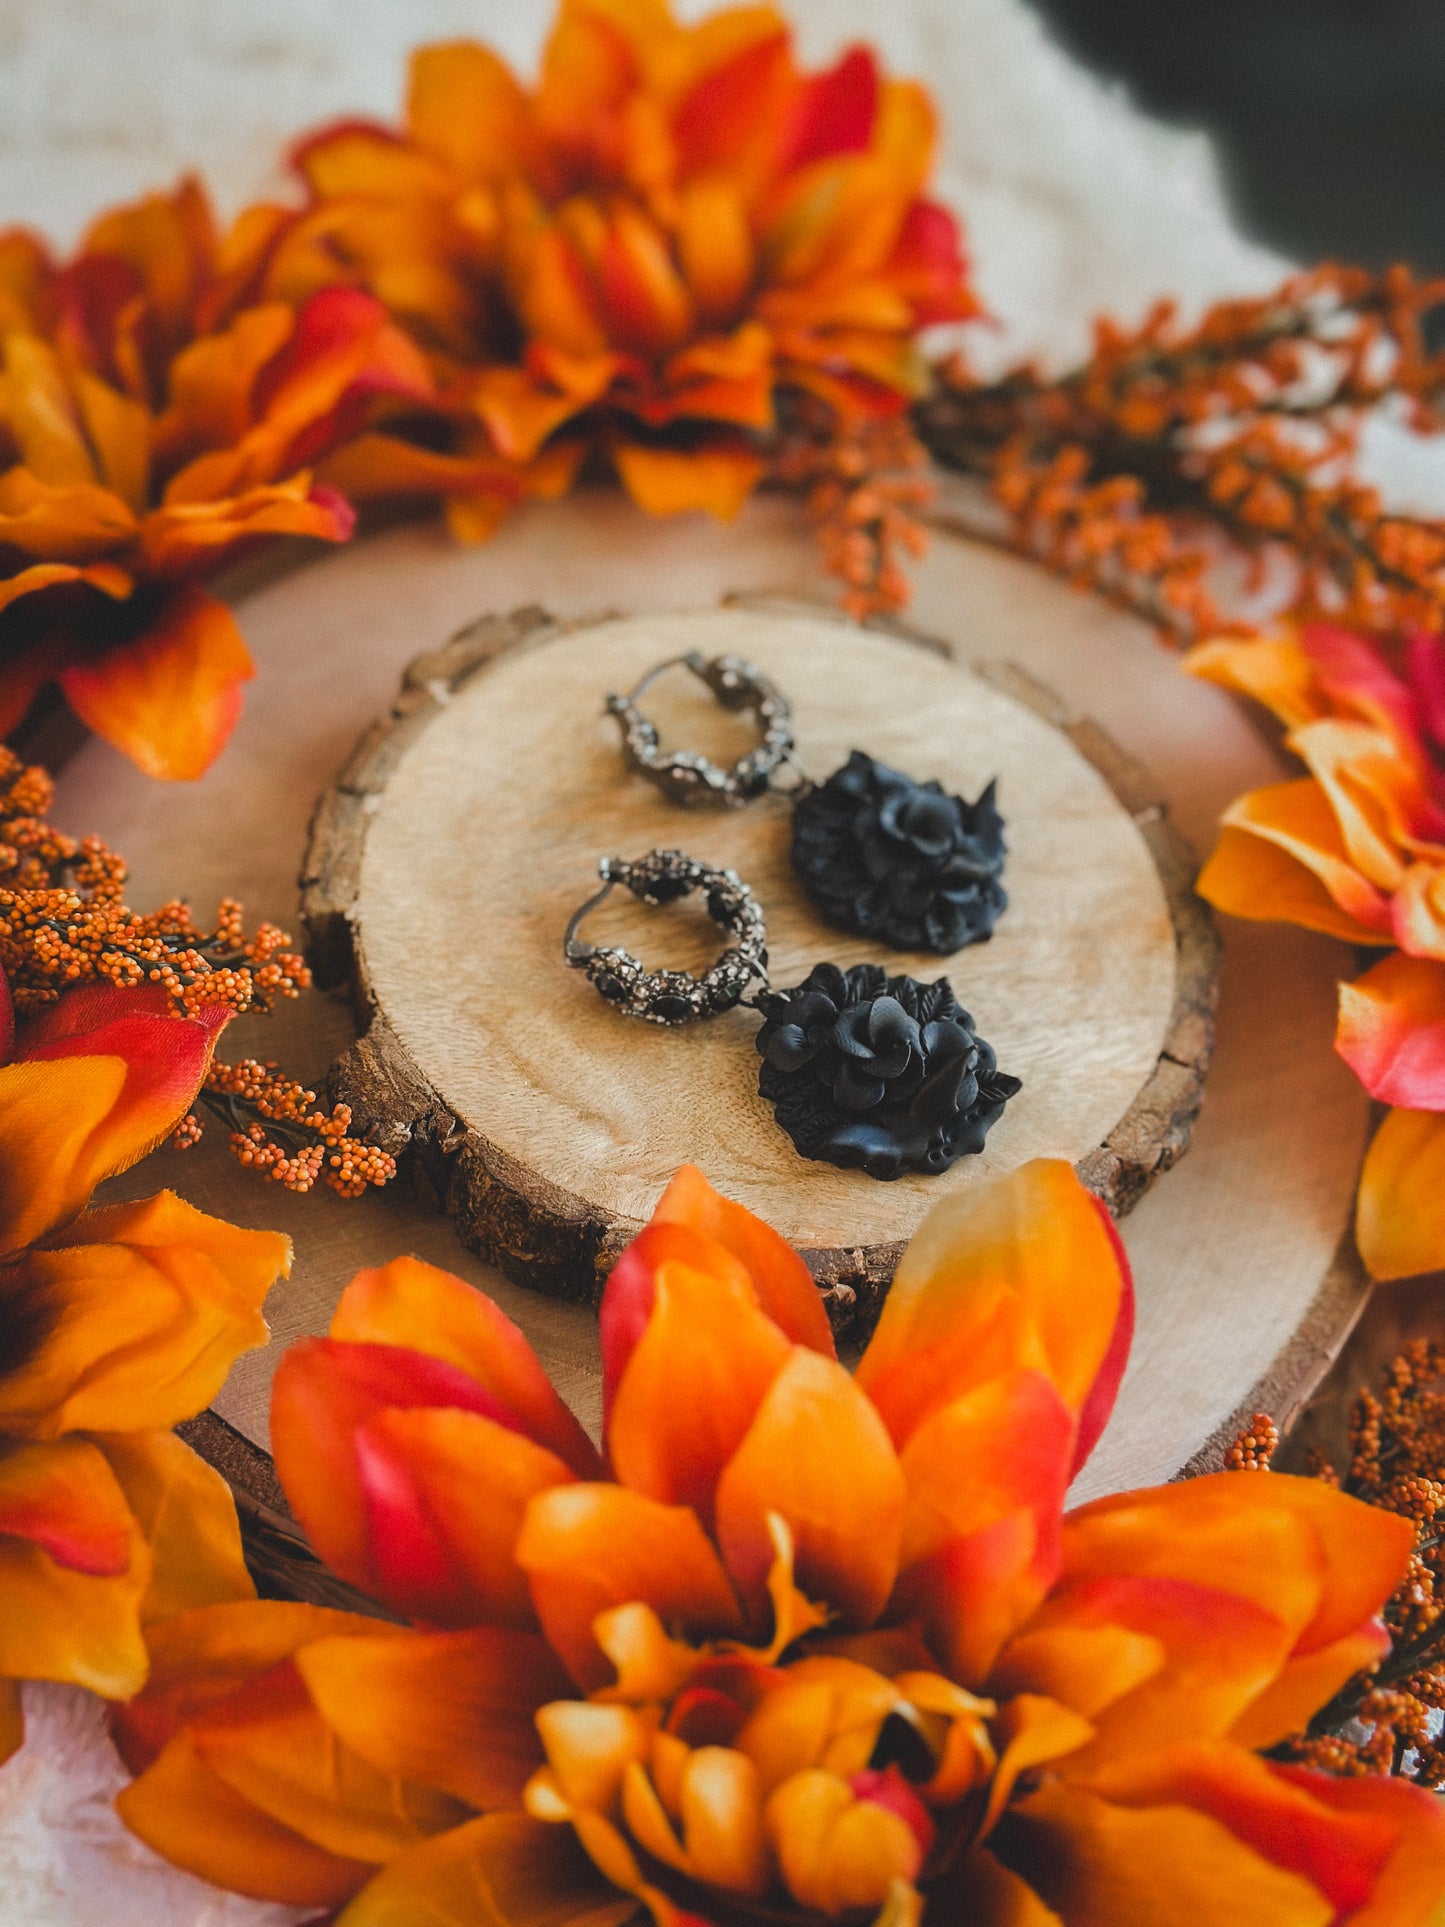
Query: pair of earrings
{"type": "Point", "coordinates": [871, 1072]}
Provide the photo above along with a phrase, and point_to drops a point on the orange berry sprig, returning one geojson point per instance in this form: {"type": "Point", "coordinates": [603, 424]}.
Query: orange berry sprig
{"type": "Point", "coordinates": [278, 1132]}
{"type": "Point", "coordinates": [1392, 1719]}
{"type": "Point", "coordinates": [1172, 446]}
{"type": "Point", "coordinates": [1255, 1447]}
{"type": "Point", "coordinates": [64, 922]}
{"type": "Point", "coordinates": [865, 485]}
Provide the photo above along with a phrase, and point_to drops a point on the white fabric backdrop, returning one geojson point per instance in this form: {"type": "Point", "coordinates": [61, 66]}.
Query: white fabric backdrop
{"type": "Point", "coordinates": [1073, 203]}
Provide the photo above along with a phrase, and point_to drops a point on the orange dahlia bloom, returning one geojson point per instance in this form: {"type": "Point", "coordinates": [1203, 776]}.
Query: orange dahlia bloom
{"type": "Point", "coordinates": [115, 1324]}
{"type": "Point", "coordinates": [158, 412]}
{"type": "Point", "coordinates": [1357, 849]}
{"type": "Point", "coordinates": [646, 251]}
{"type": "Point", "coordinates": [812, 1644]}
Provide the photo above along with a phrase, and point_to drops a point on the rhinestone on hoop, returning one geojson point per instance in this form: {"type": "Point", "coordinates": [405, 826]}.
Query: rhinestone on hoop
{"type": "Point", "coordinates": [673, 996]}
{"type": "Point", "coordinates": [685, 776]}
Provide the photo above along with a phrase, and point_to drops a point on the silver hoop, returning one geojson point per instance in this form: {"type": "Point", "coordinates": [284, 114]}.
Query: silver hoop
{"type": "Point", "coordinates": [687, 777]}
{"type": "Point", "coordinates": [673, 996]}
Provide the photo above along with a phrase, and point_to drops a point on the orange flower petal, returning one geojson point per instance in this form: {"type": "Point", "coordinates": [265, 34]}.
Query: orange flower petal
{"type": "Point", "coordinates": [1220, 1652]}
{"type": "Point", "coordinates": [76, 1618]}
{"type": "Point", "coordinates": [928, 266]}
{"type": "Point", "coordinates": [785, 1287]}
{"type": "Point", "coordinates": [212, 381]}
{"type": "Point", "coordinates": [834, 111]}
{"type": "Point", "coordinates": [41, 419]}
{"type": "Point", "coordinates": [389, 1457]}
{"type": "Point", "coordinates": [71, 523]}
{"type": "Point", "coordinates": [519, 414]}
{"type": "Point", "coordinates": [1305, 1683]}
{"type": "Point", "coordinates": [1392, 1032]}
{"type": "Point", "coordinates": [718, 476]}
{"type": "Point", "coordinates": [1376, 795]}
{"type": "Point", "coordinates": [1400, 1211]}
{"type": "Point", "coordinates": [192, 534]}
{"type": "Point", "coordinates": [445, 1492]}
{"type": "Point", "coordinates": [503, 1868]}
{"type": "Point", "coordinates": [167, 238]}
{"type": "Point", "coordinates": [680, 1309]}
{"type": "Point", "coordinates": [1273, 669]}
{"type": "Point", "coordinates": [269, 1744]}
{"type": "Point", "coordinates": [49, 1115]}
{"type": "Point", "coordinates": [1413, 1879]}
{"type": "Point", "coordinates": [375, 466]}
{"type": "Point", "coordinates": [715, 244]}
{"type": "Point", "coordinates": [1026, 1272]}
{"type": "Point", "coordinates": [63, 1498]}
{"type": "Point", "coordinates": [1098, 1864]}
{"type": "Point", "coordinates": [186, 1517]}
{"type": "Point", "coordinates": [1281, 858]}
{"type": "Point", "coordinates": [200, 1657]}
{"type": "Point", "coordinates": [818, 1456]}
{"type": "Point", "coordinates": [101, 1077]}
{"type": "Point", "coordinates": [586, 1548]}
{"type": "Point", "coordinates": [1321, 1561]}
{"type": "Point", "coordinates": [1342, 1854]}
{"type": "Point", "coordinates": [986, 1479]}
{"type": "Point", "coordinates": [417, 1306]}
{"type": "Point", "coordinates": [1085, 1667]}
{"type": "Point", "coordinates": [188, 1815]}
{"type": "Point", "coordinates": [1417, 911]}
{"type": "Point", "coordinates": [104, 576]}
{"type": "Point", "coordinates": [464, 105]}
{"type": "Point", "coordinates": [449, 1710]}
{"type": "Point", "coordinates": [1035, 1732]}
{"type": "Point", "coordinates": [148, 1305]}
{"type": "Point", "coordinates": [170, 699]}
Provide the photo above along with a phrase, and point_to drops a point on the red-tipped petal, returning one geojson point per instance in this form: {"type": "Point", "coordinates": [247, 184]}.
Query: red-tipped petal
{"type": "Point", "coordinates": [416, 1306]}
{"type": "Point", "coordinates": [1391, 1032]}
{"type": "Point", "coordinates": [835, 111]}
{"type": "Point", "coordinates": [695, 1313]}
{"type": "Point", "coordinates": [785, 1286]}
{"type": "Point", "coordinates": [324, 1393]}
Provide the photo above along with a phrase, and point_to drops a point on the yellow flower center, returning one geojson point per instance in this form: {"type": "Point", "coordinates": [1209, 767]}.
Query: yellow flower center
{"type": "Point", "coordinates": [821, 1781]}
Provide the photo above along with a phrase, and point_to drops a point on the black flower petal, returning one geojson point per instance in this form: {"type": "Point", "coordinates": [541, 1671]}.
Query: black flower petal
{"type": "Point", "coordinates": [902, 861]}
{"type": "Point", "coordinates": [895, 1080]}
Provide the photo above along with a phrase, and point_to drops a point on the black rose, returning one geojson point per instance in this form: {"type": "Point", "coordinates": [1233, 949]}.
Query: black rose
{"type": "Point", "coordinates": [900, 861]}
{"type": "Point", "coordinates": [882, 1074]}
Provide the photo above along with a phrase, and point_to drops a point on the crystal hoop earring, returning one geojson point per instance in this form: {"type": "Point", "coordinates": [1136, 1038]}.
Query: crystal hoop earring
{"type": "Point", "coordinates": [874, 1073]}
{"type": "Point", "coordinates": [880, 855]}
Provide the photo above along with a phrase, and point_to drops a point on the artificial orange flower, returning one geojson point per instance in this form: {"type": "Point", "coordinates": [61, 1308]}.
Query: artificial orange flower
{"type": "Point", "coordinates": [115, 1324]}
{"type": "Point", "coordinates": [816, 1644]}
{"type": "Point", "coordinates": [1357, 849]}
{"type": "Point", "coordinates": [158, 413]}
{"type": "Point", "coordinates": [645, 252]}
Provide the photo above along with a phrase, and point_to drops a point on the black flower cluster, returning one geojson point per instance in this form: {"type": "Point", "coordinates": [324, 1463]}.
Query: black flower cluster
{"type": "Point", "coordinates": [900, 861]}
{"type": "Point", "coordinates": [877, 1073]}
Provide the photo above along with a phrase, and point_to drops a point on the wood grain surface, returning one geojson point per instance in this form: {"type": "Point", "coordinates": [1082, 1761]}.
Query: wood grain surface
{"type": "Point", "coordinates": [547, 1123]}
{"type": "Point", "coordinates": [1231, 1250]}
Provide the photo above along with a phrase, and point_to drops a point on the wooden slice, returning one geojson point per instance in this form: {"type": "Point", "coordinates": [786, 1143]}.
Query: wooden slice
{"type": "Point", "coordinates": [467, 826]}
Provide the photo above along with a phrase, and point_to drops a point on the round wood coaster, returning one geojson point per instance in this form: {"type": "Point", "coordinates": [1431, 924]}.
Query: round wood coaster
{"type": "Point", "coordinates": [447, 859]}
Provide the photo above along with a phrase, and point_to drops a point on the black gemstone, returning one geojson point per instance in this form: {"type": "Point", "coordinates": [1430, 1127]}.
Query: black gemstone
{"type": "Point", "coordinates": [876, 1073]}
{"type": "Point", "coordinates": [672, 1010]}
{"type": "Point", "coordinates": [902, 862]}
